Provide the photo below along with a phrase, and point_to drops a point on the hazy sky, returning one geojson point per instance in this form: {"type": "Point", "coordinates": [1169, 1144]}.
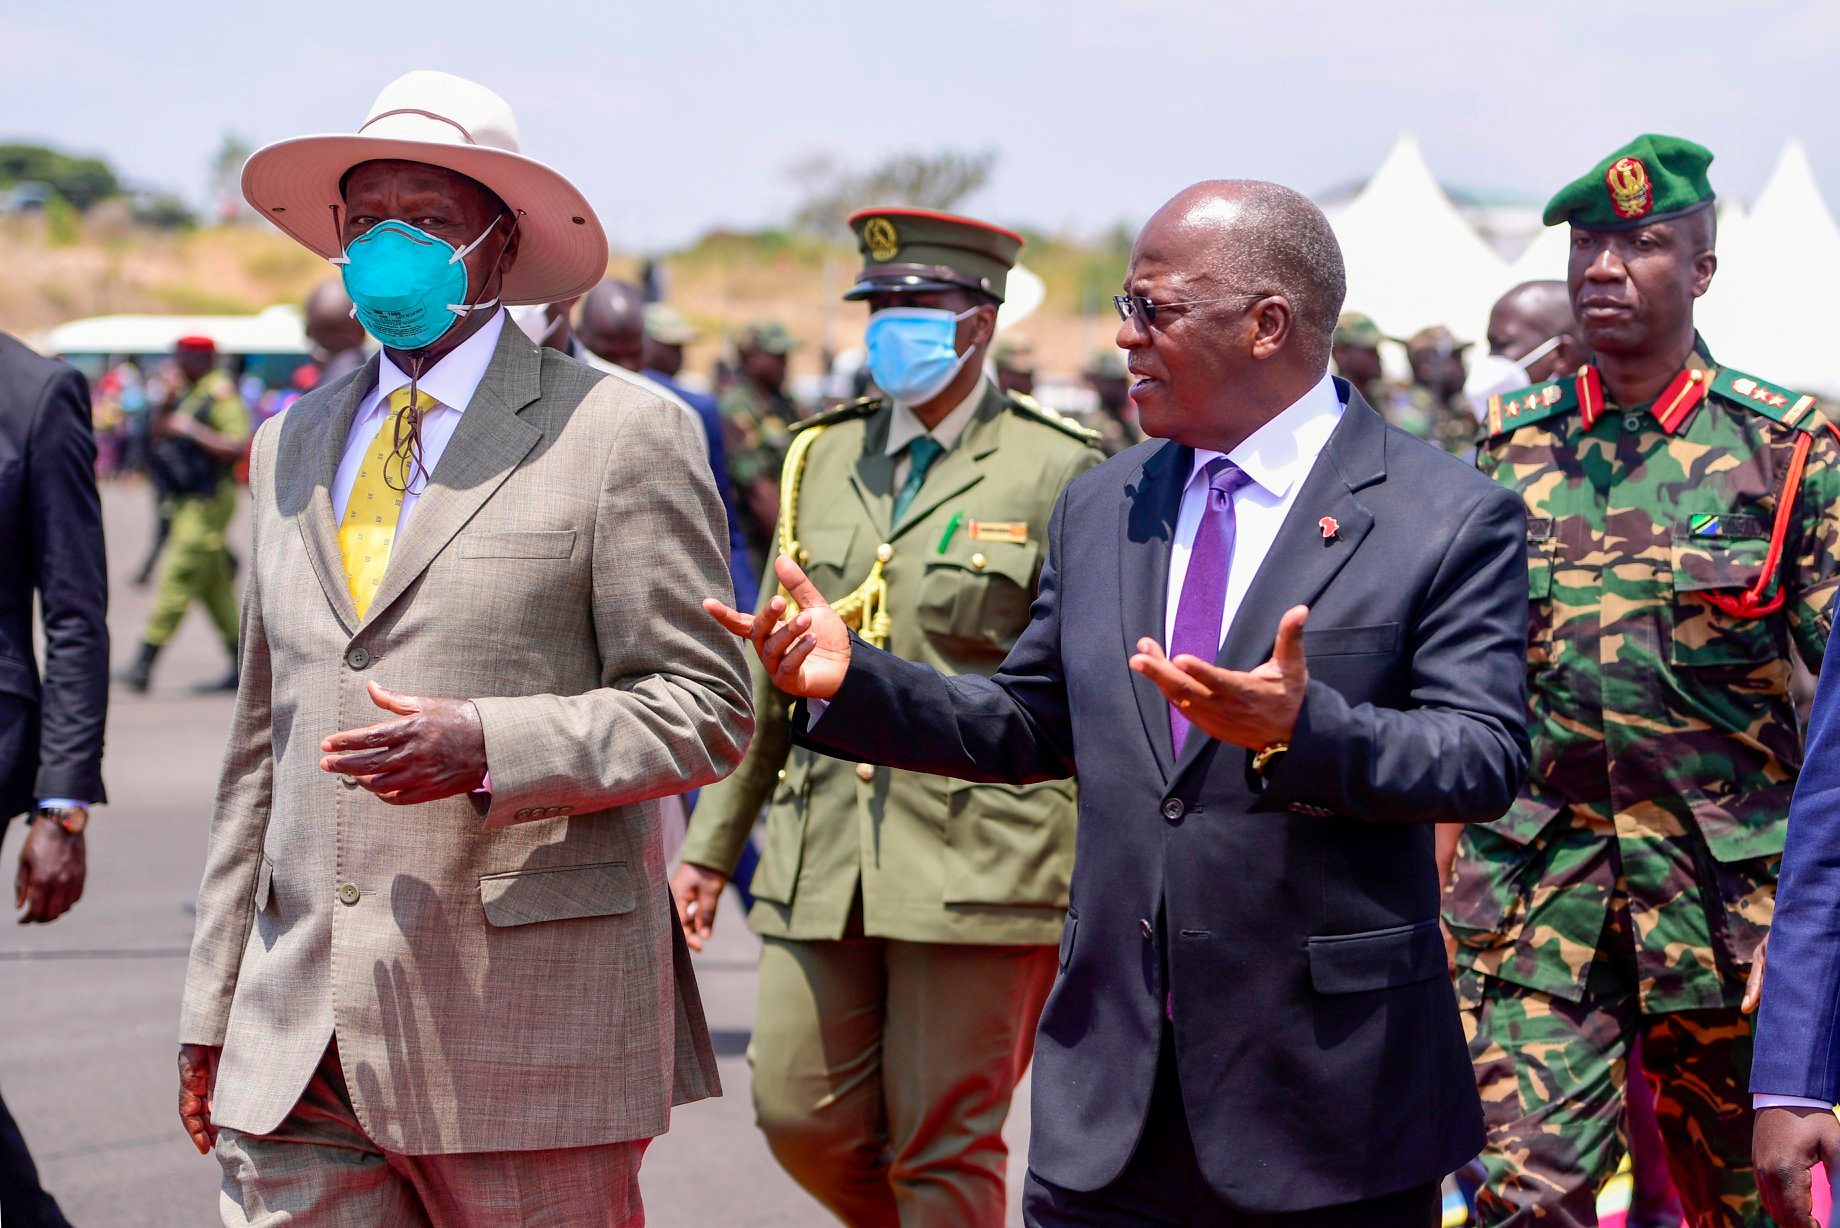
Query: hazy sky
{"type": "Point", "coordinates": [676, 117]}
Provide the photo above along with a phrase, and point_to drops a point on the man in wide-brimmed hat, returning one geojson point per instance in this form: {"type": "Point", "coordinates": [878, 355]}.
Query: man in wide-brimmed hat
{"type": "Point", "coordinates": [436, 976]}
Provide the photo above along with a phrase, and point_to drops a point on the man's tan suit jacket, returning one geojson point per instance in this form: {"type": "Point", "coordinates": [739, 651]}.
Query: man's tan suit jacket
{"type": "Point", "coordinates": [502, 973]}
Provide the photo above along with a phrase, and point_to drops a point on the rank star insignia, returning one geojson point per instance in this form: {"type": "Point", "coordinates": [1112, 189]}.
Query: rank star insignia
{"type": "Point", "coordinates": [1329, 527]}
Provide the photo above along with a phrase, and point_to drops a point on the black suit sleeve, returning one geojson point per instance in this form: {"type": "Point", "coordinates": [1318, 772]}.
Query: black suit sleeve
{"type": "Point", "coordinates": [1459, 752]}
{"type": "Point", "coordinates": [72, 577]}
{"type": "Point", "coordinates": [1014, 727]}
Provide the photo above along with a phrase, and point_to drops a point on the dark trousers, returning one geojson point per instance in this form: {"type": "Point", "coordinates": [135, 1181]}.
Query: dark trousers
{"type": "Point", "coordinates": [1162, 1186]}
{"type": "Point", "coordinates": [23, 1202]}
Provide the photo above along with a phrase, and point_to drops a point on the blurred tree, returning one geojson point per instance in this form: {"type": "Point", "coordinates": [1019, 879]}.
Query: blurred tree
{"type": "Point", "coordinates": [164, 211]}
{"type": "Point", "coordinates": [227, 176]}
{"type": "Point", "coordinates": [919, 181]}
{"type": "Point", "coordinates": [81, 181]}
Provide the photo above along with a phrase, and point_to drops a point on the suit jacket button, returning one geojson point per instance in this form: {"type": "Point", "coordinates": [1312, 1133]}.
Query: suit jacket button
{"type": "Point", "coordinates": [865, 772]}
{"type": "Point", "coordinates": [350, 782]}
{"type": "Point", "coordinates": [348, 893]}
{"type": "Point", "coordinates": [1173, 808]}
{"type": "Point", "coordinates": [523, 814]}
{"type": "Point", "coordinates": [358, 657]}
{"type": "Point", "coordinates": [1146, 929]}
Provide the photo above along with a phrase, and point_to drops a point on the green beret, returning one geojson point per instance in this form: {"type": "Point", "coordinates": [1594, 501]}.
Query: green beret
{"type": "Point", "coordinates": [767, 336]}
{"type": "Point", "coordinates": [1358, 331]}
{"type": "Point", "coordinates": [908, 251]}
{"type": "Point", "coordinates": [1651, 179]}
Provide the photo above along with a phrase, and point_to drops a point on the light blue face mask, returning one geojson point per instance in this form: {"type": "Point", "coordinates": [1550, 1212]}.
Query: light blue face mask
{"type": "Point", "coordinates": [407, 286]}
{"type": "Point", "coordinates": [912, 351]}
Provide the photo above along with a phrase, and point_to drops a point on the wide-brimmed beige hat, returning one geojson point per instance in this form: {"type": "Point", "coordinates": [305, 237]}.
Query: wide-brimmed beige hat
{"type": "Point", "coordinates": [446, 121]}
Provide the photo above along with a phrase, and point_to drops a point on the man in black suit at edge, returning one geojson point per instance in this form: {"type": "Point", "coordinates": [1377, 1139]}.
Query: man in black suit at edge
{"type": "Point", "coordinates": [1251, 1026]}
{"type": "Point", "coordinates": [50, 732]}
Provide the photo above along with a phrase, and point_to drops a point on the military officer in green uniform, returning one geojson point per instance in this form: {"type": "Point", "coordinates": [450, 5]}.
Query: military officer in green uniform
{"type": "Point", "coordinates": [908, 920]}
{"type": "Point", "coordinates": [1434, 407]}
{"type": "Point", "coordinates": [1683, 538]}
{"type": "Point", "coordinates": [757, 420]}
{"type": "Point", "coordinates": [1355, 347]}
{"type": "Point", "coordinates": [1116, 418]}
{"type": "Point", "coordinates": [197, 438]}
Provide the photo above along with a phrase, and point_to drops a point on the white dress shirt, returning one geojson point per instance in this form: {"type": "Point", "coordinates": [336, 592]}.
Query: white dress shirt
{"type": "Point", "coordinates": [1276, 457]}
{"type": "Point", "coordinates": [451, 381]}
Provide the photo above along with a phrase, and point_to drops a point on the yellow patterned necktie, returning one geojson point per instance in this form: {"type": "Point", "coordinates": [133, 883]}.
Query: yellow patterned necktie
{"type": "Point", "coordinates": [375, 506]}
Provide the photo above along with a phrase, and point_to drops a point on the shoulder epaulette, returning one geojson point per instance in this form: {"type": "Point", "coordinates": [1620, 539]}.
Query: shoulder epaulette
{"type": "Point", "coordinates": [1510, 411]}
{"type": "Point", "coordinates": [1794, 409]}
{"type": "Point", "coordinates": [1029, 407]}
{"type": "Point", "coordinates": [862, 407]}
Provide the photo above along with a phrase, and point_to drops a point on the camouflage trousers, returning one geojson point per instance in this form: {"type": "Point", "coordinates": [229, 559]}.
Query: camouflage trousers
{"type": "Point", "coordinates": [1551, 1075]}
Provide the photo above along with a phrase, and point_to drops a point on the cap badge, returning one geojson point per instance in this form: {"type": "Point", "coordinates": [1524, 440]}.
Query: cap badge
{"type": "Point", "coordinates": [881, 238]}
{"type": "Point", "coordinates": [1631, 195]}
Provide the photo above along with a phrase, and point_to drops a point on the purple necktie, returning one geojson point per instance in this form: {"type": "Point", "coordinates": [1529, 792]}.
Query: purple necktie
{"type": "Point", "coordinates": [1204, 588]}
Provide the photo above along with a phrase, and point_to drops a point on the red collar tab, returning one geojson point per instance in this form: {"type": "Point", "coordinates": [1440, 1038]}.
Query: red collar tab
{"type": "Point", "coordinates": [1590, 390]}
{"type": "Point", "coordinates": [1678, 399]}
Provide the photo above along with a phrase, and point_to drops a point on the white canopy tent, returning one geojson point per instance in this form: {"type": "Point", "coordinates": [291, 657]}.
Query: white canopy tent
{"type": "Point", "coordinates": [1774, 306]}
{"type": "Point", "coordinates": [1412, 260]}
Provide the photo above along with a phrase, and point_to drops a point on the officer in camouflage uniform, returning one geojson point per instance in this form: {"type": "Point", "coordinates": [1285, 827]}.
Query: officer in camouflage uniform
{"type": "Point", "coordinates": [196, 442]}
{"type": "Point", "coordinates": [757, 419]}
{"type": "Point", "coordinates": [909, 921]}
{"type": "Point", "coordinates": [1434, 407]}
{"type": "Point", "coordinates": [1683, 534]}
{"type": "Point", "coordinates": [1355, 346]}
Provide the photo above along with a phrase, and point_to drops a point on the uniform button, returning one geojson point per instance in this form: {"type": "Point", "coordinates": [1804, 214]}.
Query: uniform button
{"type": "Point", "coordinates": [1173, 808]}
{"type": "Point", "coordinates": [358, 657]}
{"type": "Point", "coordinates": [884, 553]}
{"type": "Point", "coordinates": [865, 772]}
{"type": "Point", "coordinates": [804, 558]}
{"type": "Point", "coordinates": [979, 562]}
{"type": "Point", "coordinates": [350, 782]}
{"type": "Point", "coordinates": [348, 893]}
{"type": "Point", "coordinates": [1632, 423]}
{"type": "Point", "coordinates": [1146, 929]}
{"type": "Point", "coordinates": [782, 773]}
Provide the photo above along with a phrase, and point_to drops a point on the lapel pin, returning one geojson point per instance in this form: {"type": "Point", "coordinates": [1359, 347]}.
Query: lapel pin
{"type": "Point", "coordinates": [1329, 527]}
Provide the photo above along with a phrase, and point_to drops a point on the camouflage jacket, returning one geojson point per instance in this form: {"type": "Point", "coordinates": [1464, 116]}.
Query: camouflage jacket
{"type": "Point", "coordinates": [756, 430]}
{"type": "Point", "coordinates": [1665, 741]}
{"type": "Point", "coordinates": [1449, 423]}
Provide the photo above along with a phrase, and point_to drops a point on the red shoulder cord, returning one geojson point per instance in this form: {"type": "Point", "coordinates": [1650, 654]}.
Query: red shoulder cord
{"type": "Point", "coordinates": [1751, 604]}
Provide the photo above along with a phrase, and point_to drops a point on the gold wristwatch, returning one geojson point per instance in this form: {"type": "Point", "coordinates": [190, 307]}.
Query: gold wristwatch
{"type": "Point", "coordinates": [73, 819]}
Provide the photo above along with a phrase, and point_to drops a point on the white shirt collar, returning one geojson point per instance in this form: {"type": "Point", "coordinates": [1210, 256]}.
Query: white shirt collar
{"type": "Point", "coordinates": [453, 380]}
{"type": "Point", "coordinates": [1279, 454]}
{"type": "Point", "coordinates": [905, 426]}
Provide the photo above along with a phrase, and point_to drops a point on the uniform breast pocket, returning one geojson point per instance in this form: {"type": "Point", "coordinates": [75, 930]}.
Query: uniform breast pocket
{"type": "Point", "coordinates": [824, 553]}
{"type": "Point", "coordinates": [975, 600]}
{"type": "Point", "coordinates": [1540, 546]}
{"type": "Point", "coordinates": [1723, 555]}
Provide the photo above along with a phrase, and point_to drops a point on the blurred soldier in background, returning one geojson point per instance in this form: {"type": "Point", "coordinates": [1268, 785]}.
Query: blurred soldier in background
{"type": "Point", "coordinates": [903, 969]}
{"type": "Point", "coordinates": [1683, 534]}
{"type": "Point", "coordinates": [1434, 407]}
{"type": "Point", "coordinates": [757, 417]}
{"type": "Point", "coordinates": [1356, 351]}
{"type": "Point", "coordinates": [200, 432]}
{"type": "Point", "coordinates": [1115, 421]}
{"type": "Point", "coordinates": [1015, 366]}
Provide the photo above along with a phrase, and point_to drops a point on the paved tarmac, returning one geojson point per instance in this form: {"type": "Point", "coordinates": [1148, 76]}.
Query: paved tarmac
{"type": "Point", "coordinates": [89, 1005]}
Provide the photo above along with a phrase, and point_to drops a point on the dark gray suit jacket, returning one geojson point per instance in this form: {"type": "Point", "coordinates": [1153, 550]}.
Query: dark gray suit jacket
{"type": "Point", "coordinates": [1293, 922]}
{"type": "Point", "coordinates": [51, 544]}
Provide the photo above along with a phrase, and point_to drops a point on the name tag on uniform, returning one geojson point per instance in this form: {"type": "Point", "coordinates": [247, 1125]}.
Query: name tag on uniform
{"type": "Point", "coordinates": [1016, 531]}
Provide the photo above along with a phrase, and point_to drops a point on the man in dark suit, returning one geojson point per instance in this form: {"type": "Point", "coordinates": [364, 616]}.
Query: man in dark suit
{"type": "Point", "coordinates": [1252, 1025]}
{"type": "Point", "coordinates": [50, 732]}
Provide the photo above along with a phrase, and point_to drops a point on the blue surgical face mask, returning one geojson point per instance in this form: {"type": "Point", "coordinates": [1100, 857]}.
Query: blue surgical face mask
{"type": "Point", "coordinates": [408, 287]}
{"type": "Point", "coordinates": [913, 351]}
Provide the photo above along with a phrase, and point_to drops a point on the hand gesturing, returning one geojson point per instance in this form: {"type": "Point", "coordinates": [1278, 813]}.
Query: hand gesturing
{"type": "Point", "coordinates": [805, 655]}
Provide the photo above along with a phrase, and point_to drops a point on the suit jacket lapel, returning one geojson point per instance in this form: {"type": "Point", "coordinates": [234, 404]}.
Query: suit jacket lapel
{"type": "Point", "coordinates": [308, 471]}
{"type": "Point", "coordinates": [1146, 531]}
{"type": "Point", "coordinates": [961, 468]}
{"type": "Point", "coordinates": [486, 446]}
{"type": "Point", "coordinates": [1302, 560]}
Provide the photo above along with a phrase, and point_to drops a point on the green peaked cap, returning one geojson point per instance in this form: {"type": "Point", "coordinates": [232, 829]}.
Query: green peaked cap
{"type": "Point", "coordinates": [1651, 179]}
{"type": "Point", "coordinates": [906, 251]}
